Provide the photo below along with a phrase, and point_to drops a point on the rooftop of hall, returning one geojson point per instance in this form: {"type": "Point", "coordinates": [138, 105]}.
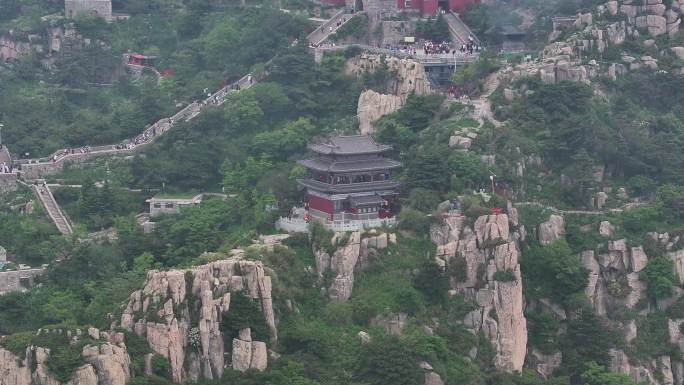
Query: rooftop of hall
{"type": "Point", "coordinates": [344, 166]}
{"type": "Point", "coordinates": [347, 145]}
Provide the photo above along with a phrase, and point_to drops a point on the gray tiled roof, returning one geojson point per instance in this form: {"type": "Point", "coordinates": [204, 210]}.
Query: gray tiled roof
{"type": "Point", "coordinates": [347, 145]}
{"type": "Point", "coordinates": [329, 165]}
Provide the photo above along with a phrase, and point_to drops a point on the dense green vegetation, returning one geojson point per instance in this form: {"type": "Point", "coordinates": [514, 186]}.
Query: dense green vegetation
{"type": "Point", "coordinates": [68, 107]}
{"type": "Point", "coordinates": [248, 148]}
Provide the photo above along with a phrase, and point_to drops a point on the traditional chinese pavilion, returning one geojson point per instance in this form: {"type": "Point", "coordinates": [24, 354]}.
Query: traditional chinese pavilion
{"type": "Point", "coordinates": [350, 180]}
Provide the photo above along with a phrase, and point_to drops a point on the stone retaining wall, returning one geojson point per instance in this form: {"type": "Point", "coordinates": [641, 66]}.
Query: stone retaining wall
{"type": "Point", "coordinates": [18, 280]}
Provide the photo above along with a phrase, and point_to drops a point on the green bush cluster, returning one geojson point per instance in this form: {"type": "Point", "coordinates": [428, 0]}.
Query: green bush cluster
{"type": "Point", "coordinates": [244, 313]}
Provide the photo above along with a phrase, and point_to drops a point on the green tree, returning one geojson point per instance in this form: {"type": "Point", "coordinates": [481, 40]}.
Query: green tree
{"type": "Point", "coordinates": [587, 339]}
{"type": "Point", "coordinates": [387, 360]}
{"type": "Point", "coordinates": [432, 282]}
{"type": "Point", "coordinates": [427, 169]}
{"type": "Point", "coordinates": [62, 306]}
{"type": "Point", "coordinates": [554, 271]}
{"type": "Point", "coordinates": [283, 142]}
{"type": "Point", "coordinates": [238, 177]}
{"type": "Point", "coordinates": [423, 199]}
{"type": "Point", "coordinates": [467, 169]}
{"type": "Point", "coordinates": [245, 313]}
{"type": "Point", "coordinates": [292, 373]}
{"type": "Point", "coordinates": [242, 112]}
{"type": "Point", "coordinates": [658, 275]}
{"type": "Point", "coordinates": [596, 374]}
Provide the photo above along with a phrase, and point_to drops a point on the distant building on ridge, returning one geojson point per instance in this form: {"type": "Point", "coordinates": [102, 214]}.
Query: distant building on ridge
{"type": "Point", "coordinates": [101, 8]}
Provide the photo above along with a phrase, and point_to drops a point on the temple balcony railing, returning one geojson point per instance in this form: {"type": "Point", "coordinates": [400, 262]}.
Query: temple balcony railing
{"type": "Point", "coordinates": [349, 187]}
{"type": "Point", "coordinates": [300, 225]}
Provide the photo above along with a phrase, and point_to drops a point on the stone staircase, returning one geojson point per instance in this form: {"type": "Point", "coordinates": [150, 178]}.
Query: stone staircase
{"type": "Point", "coordinates": [459, 30]}
{"type": "Point", "coordinates": [42, 191]}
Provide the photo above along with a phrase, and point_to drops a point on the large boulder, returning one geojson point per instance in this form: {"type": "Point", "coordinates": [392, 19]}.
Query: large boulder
{"type": "Point", "coordinates": [606, 229]}
{"type": "Point", "coordinates": [112, 363]}
{"type": "Point", "coordinates": [678, 258]}
{"type": "Point", "coordinates": [655, 24]}
{"type": "Point", "coordinates": [638, 259]}
{"type": "Point", "coordinates": [679, 52]}
{"type": "Point", "coordinates": [432, 378]}
{"type": "Point", "coordinates": [372, 106]}
{"type": "Point", "coordinates": [551, 230]}
{"type": "Point", "coordinates": [601, 198]}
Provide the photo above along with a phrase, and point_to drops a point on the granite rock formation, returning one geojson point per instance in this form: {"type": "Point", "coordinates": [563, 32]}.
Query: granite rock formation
{"type": "Point", "coordinates": [105, 362]}
{"type": "Point", "coordinates": [488, 254]}
{"type": "Point", "coordinates": [408, 77]}
{"type": "Point", "coordinates": [179, 313]}
{"type": "Point", "coordinates": [352, 253]}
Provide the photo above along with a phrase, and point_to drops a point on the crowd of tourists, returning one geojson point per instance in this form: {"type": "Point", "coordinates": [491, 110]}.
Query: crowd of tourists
{"type": "Point", "coordinates": [5, 168]}
{"type": "Point", "coordinates": [470, 47]}
{"type": "Point", "coordinates": [69, 151]}
{"type": "Point", "coordinates": [432, 48]}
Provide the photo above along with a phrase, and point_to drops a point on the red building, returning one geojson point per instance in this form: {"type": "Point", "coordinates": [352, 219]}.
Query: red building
{"type": "Point", "coordinates": [136, 59]}
{"type": "Point", "coordinates": [350, 180]}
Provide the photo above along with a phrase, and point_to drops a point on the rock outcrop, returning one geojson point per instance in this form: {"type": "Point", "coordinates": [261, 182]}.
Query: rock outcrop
{"type": "Point", "coordinates": [179, 313]}
{"type": "Point", "coordinates": [614, 276]}
{"type": "Point", "coordinates": [561, 60]}
{"type": "Point", "coordinates": [105, 362]}
{"type": "Point", "coordinates": [545, 364]}
{"type": "Point", "coordinates": [351, 253]}
{"type": "Point", "coordinates": [408, 77]}
{"type": "Point", "coordinates": [657, 372]}
{"type": "Point", "coordinates": [551, 230]}
{"type": "Point", "coordinates": [12, 48]}
{"type": "Point", "coordinates": [613, 284]}
{"type": "Point", "coordinates": [248, 354]}
{"type": "Point", "coordinates": [487, 257]}
{"type": "Point", "coordinates": [373, 106]}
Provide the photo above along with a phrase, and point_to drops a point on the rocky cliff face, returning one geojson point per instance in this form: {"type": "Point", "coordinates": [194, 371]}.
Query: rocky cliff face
{"type": "Point", "coordinates": [614, 269]}
{"type": "Point", "coordinates": [657, 372]}
{"type": "Point", "coordinates": [487, 254]}
{"type": "Point", "coordinates": [105, 363]}
{"type": "Point", "coordinates": [179, 312]}
{"type": "Point", "coordinates": [561, 60]}
{"type": "Point", "coordinates": [373, 106]}
{"type": "Point", "coordinates": [351, 254]}
{"type": "Point", "coordinates": [409, 77]}
{"type": "Point", "coordinates": [11, 48]}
